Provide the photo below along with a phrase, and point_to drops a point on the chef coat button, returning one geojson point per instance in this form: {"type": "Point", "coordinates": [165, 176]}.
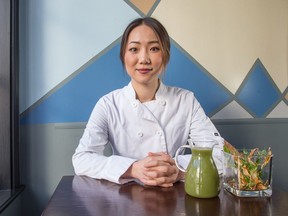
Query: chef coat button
{"type": "Point", "coordinates": [134, 104]}
{"type": "Point", "coordinates": [159, 133]}
{"type": "Point", "coordinates": [140, 134]}
{"type": "Point", "coordinates": [163, 103]}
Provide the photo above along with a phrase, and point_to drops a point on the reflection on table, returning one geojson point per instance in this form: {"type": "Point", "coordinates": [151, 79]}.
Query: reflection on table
{"type": "Point", "coordinates": [76, 195]}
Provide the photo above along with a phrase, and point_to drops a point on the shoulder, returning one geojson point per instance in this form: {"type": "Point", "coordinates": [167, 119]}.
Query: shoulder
{"type": "Point", "coordinates": [177, 91]}
{"type": "Point", "coordinates": [180, 96]}
{"type": "Point", "coordinates": [115, 94]}
{"type": "Point", "coordinates": [116, 99]}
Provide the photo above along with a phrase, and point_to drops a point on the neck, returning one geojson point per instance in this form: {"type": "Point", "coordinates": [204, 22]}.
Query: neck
{"type": "Point", "coordinates": [145, 93]}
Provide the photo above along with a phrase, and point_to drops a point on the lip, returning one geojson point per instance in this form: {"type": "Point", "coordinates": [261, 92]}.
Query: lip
{"type": "Point", "coordinates": [144, 70]}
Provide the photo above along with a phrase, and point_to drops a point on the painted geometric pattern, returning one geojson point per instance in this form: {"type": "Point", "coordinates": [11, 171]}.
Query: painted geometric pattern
{"type": "Point", "coordinates": [257, 97]}
{"type": "Point", "coordinates": [185, 72]}
{"type": "Point", "coordinates": [285, 94]}
{"type": "Point", "coordinates": [280, 111]}
{"type": "Point", "coordinates": [258, 93]}
{"type": "Point", "coordinates": [144, 8]}
{"type": "Point", "coordinates": [227, 43]}
{"type": "Point", "coordinates": [232, 111]}
{"type": "Point", "coordinates": [74, 101]}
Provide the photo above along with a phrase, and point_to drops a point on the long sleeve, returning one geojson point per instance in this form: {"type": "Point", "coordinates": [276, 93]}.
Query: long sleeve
{"type": "Point", "coordinates": [202, 127]}
{"type": "Point", "coordinates": [89, 158]}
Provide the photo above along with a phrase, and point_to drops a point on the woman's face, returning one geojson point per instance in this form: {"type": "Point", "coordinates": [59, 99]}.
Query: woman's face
{"type": "Point", "coordinates": [143, 56]}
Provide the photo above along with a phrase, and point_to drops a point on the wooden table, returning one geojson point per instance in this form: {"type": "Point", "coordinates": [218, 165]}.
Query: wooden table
{"type": "Point", "coordinates": [82, 196]}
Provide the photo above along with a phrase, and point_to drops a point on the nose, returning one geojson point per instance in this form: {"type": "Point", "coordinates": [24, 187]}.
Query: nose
{"type": "Point", "coordinates": [144, 57]}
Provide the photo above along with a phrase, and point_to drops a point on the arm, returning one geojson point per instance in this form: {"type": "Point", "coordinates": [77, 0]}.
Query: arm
{"type": "Point", "coordinates": [89, 158]}
{"type": "Point", "coordinates": [201, 126]}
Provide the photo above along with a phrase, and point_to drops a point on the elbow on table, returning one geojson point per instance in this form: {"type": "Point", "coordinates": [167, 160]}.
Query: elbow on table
{"type": "Point", "coordinates": [77, 162]}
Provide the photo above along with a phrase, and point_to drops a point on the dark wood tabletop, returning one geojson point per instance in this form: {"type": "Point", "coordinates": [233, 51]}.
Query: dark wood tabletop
{"type": "Point", "coordinates": [76, 195]}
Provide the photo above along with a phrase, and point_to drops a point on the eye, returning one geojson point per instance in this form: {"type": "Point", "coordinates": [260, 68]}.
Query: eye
{"type": "Point", "coordinates": [155, 49]}
{"type": "Point", "coordinates": [133, 49]}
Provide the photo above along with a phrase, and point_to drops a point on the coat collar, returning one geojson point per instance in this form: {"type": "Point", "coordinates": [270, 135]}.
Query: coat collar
{"type": "Point", "coordinates": [141, 110]}
{"type": "Point", "coordinates": [131, 94]}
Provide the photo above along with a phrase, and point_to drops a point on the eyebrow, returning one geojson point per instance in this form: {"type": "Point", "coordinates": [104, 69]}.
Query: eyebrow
{"type": "Point", "coordinates": [137, 42]}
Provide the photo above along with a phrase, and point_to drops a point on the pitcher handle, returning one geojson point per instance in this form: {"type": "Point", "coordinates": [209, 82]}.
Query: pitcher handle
{"type": "Point", "coordinates": [176, 157]}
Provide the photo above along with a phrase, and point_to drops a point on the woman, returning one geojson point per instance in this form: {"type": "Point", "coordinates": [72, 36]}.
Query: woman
{"type": "Point", "coordinates": [144, 122]}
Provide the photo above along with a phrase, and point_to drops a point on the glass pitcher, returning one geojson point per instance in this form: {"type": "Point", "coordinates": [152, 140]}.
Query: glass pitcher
{"type": "Point", "coordinates": [201, 176]}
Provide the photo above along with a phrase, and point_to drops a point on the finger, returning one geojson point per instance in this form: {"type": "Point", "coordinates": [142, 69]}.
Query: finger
{"type": "Point", "coordinates": [166, 185]}
{"type": "Point", "coordinates": [159, 171]}
{"type": "Point", "coordinates": [163, 182]}
{"type": "Point", "coordinates": [162, 171]}
{"type": "Point", "coordinates": [160, 179]}
{"type": "Point", "coordinates": [155, 163]}
{"type": "Point", "coordinates": [159, 160]}
{"type": "Point", "coordinates": [161, 155]}
{"type": "Point", "coordinates": [156, 153]}
{"type": "Point", "coordinates": [154, 182]}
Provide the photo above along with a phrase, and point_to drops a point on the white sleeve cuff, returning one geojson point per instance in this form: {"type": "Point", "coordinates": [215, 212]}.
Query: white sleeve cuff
{"type": "Point", "coordinates": [116, 167]}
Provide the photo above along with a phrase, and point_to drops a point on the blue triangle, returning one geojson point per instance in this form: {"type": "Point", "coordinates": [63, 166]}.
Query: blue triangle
{"type": "Point", "coordinates": [258, 93]}
{"type": "Point", "coordinates": [74, 101]}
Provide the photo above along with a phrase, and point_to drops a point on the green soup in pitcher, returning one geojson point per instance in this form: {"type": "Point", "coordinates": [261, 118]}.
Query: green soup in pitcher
{"type": "Point", "coordinates": [201, 176]}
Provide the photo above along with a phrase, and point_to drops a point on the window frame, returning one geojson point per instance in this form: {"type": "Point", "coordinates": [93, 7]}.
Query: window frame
{"type": "Point", "coordinates": [9, 103]}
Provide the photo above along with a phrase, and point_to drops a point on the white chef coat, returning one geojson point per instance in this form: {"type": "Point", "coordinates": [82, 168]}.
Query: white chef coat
{"type": "Point", "coordinates": [133, 129]}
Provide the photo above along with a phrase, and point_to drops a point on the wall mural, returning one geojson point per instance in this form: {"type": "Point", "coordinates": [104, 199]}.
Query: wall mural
{"type": "Point", "coordinates": [72, 100]}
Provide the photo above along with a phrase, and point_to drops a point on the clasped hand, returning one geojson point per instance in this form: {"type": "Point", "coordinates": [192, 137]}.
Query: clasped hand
{"type": "Point", "coordinates": [157, 169]}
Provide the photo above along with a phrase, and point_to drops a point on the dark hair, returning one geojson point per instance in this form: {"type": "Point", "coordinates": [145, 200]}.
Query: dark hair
{"type": "Point", "coordinates": [158, 29]}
